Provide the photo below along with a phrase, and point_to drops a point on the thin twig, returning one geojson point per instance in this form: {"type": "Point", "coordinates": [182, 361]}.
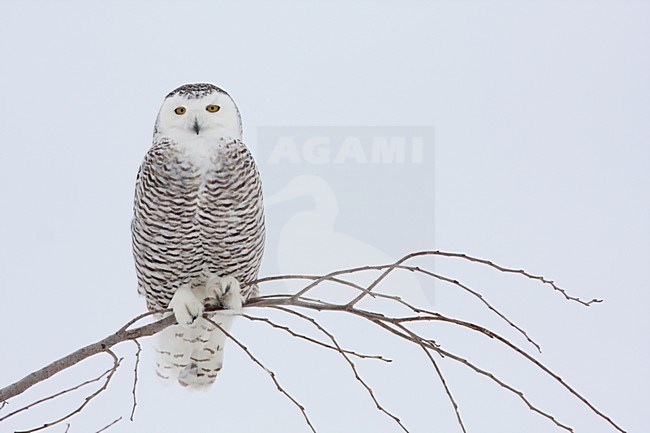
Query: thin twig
{"type": "Point", "coordinates": [506, 386]}
{"type": "Point", "coordinates": [482, 299]}
{"type": "Point", "coordinates": [137, 318]}
{"type": "Point", "coordinates": [116, 364]}
{"type": "Point", "coordinates": [441, 377]}
{"type": "Point", "coordinates": [433, 346]}
{"type": "Point", "coordinates": [447, 390]}
{"type": "Point", "coordinates": [518, 271]}
{"type": "Point", "coordinates": [349, 361]}
{"type": "Point", "coordinates": [53, 396]}
{"type": "Point", "coordinates": [109, 425]}
{"type": "Point", "coordinates": [267, 370]}
{"type": "Point", "coordinates": [135, 377]}
{"type": "Point", "coordinates": [313, 340]}
{"type": "Point", "coordinates": [521, 352]}
{"type": "Point", "coordinates": [318, 278]}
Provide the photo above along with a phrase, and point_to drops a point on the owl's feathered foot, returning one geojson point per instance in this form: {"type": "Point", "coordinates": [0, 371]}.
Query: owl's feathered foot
{"type": "Point", "coordinates": [227, 291]}
{"type": "Point", "coordinates": [186, 306]}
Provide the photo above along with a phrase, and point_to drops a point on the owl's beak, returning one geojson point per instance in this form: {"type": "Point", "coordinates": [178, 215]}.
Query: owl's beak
{"type": "Point", "coordinates": [196, 127]}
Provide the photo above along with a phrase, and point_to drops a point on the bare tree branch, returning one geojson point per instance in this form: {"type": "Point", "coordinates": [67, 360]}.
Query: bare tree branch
{"type": "Point", "coordinates": [399, 326]}
{"type": "Point", "coordinates": [102, 346]}
{"type": "Point", "coordinates": [319, 278]}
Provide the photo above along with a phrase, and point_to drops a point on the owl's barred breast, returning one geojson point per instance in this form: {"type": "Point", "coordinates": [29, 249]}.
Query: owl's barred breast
{"type": "Point", "coordinates": [197, 210]}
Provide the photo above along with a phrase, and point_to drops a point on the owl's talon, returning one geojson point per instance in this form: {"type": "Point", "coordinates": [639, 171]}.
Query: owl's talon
{"type": "Point", "coordinates": [186, 306]}
{"type": "Point", "coordinates": [221, 287]}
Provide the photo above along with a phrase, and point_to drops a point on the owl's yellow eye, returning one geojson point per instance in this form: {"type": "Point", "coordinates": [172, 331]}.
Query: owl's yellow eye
{"type": "Point", "coordinates": [180, 110]}
{"type": "Point", "coordinates": [212, 108]}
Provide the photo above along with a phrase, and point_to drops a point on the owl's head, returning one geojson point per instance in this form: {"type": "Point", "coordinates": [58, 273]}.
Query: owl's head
{"type": "Point", "coordinates": [202, 110]}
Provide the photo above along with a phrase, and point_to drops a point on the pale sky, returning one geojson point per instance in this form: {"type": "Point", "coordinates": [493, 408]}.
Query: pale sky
{"type": "Point", "coordinates": [542, 161]}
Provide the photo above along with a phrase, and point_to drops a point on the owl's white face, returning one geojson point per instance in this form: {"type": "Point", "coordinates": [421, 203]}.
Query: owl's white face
{"type": "Point", "coordinates": [213, 116]}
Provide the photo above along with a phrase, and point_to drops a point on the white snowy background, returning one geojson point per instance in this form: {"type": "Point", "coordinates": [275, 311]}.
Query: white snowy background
{"type": "Point", "coordinates": [542, 154]}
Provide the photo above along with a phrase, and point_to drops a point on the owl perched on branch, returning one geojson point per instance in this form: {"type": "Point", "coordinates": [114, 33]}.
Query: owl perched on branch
{"type": "Point", "coordinates": [198, 227]}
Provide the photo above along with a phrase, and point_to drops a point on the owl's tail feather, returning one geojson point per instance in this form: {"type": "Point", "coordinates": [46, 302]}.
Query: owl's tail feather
{"type": "Point", "coordinates": [192, 356]}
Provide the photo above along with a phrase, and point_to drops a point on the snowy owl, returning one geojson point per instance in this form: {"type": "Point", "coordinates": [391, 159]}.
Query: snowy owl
{"type": "Point", "coordinates": [198, 227]}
